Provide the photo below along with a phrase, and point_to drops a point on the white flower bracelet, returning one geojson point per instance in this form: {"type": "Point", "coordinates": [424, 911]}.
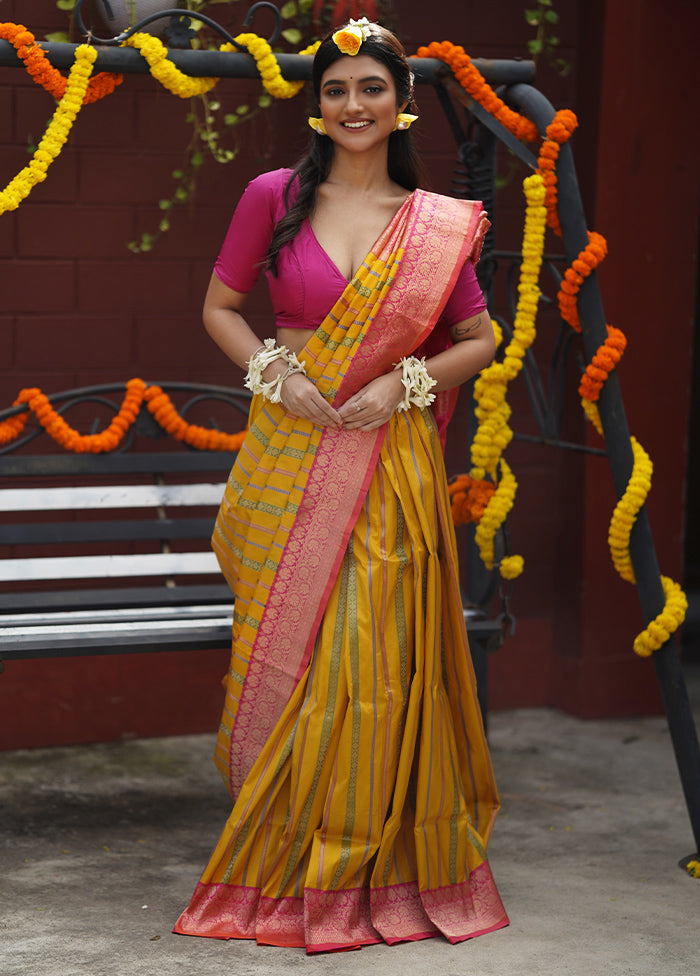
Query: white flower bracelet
{"type": "Point", "coordinates": [417, 383]}
{"type": "Point", "coordinates": [268, 353]}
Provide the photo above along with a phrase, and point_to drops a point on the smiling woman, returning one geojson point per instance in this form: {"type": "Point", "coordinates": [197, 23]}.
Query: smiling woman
{"type": "Point", "coordinates": [351, 737]}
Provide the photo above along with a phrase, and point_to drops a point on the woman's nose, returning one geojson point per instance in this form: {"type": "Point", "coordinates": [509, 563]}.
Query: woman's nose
{"type": "Point", "coordinates": [354, 102]}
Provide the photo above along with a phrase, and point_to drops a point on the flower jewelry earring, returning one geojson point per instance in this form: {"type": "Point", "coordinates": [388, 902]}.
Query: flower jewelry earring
{"type": "Point", "coordinates": [318, 125]}
{"type": "Point", "coordinates": [404, 120]}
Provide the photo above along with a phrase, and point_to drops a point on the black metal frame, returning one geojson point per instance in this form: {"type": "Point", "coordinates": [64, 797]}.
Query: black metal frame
{"type": "Point", "coordinates": [520, 94]}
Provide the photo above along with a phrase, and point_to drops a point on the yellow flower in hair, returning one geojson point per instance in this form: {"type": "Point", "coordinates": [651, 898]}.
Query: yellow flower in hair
{"type": "Point", "coordinates": [349, 39]}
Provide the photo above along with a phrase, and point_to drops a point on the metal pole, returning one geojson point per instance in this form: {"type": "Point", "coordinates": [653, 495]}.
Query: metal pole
{"type": "Point", "coordinates": [617, 438]}
{"type": "Point", "coordinates": [224, 64]}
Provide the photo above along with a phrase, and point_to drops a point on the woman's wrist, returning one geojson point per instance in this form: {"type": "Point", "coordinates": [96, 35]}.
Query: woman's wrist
{"type": "Point", "coordinates": [268, 367]}
{"type": "Point", "coordinates": [417, 383]}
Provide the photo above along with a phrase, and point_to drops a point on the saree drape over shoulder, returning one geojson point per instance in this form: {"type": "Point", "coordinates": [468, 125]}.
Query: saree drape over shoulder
{"type": "Point", "coordinates": [351, 736]}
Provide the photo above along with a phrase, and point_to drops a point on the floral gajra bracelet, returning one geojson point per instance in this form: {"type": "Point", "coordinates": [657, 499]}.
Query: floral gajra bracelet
{"type": "Point", "coordinates": [417, 383]}
{"type": "Point", "coordinates": [268, 353]}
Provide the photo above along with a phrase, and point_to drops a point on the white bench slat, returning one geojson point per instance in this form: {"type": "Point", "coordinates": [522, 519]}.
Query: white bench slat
{"type": "Point", "coordinates": [178, 613]}
{"type": "Point", "coordinates": [94, 629]}
{"type": "Point", "coordinates": [108, 567]}
{"type": "Point", "coordinates": [122, 496]}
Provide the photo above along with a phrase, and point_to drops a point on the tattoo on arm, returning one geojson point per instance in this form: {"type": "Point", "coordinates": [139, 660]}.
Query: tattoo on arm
{"type": "Point", "coordinates": [460, 331]}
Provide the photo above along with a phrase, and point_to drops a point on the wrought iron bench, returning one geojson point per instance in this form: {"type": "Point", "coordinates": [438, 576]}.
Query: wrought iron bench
{"type": "Point", "coordinates": [109, 553]}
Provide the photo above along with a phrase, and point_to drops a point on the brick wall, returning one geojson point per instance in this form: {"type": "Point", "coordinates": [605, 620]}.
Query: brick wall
{"type": "Point", "coordinates": [78, 308]}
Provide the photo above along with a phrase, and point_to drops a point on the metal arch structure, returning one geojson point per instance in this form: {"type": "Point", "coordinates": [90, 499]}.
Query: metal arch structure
{"type": "Point", "coordinates": [476, 138]}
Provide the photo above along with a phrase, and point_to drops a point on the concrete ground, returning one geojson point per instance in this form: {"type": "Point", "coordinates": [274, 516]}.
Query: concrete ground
{"type": "Point", "coordinates": [101, 846]}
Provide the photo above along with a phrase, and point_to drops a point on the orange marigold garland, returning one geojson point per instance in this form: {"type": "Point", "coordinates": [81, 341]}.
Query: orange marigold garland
{"type": "Point", "coordinates": [473, 82]}
{"type": "Point", "coordinates": [203, 438]}
{"type": "Point", "coordinates": [157, 402]}
{"type": "Point", "coordinates": [559, 131]}
{"type": "Point", "coordinates": [574, 276]}
{"type": "Point", "coordinates": [43, 73]}
{"type": "Point", "coordinates": [469, 497]}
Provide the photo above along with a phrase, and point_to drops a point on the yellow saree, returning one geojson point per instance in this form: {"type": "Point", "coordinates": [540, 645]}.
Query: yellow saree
{"type": "Point", "coordinates": [351, 737]}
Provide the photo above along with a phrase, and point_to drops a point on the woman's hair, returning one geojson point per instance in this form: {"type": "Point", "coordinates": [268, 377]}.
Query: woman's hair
{"type": "Point", "coordinates": [404, 165]}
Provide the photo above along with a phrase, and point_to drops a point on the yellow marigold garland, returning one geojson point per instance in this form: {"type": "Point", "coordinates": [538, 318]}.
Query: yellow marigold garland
{"type": "Point", "coordinates": [492, 411]}
{"type": "Point", "coordinates": [163, 69]}
{"type": "Point", "coordinates": [268, 67]}
{"type": "Point", "coordinates": [185, 86]}
{"type": "Point", "coordinates": [158, 403]}
{"type": "Point", "coordinates": [56, 133]}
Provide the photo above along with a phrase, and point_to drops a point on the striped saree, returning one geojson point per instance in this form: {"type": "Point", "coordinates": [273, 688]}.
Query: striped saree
{"type": "Point", "coordinates": [351, 737]}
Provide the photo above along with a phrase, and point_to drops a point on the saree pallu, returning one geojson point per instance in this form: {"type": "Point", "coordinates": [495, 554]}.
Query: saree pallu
{"type": "Point", "coordinates": [351, 736]}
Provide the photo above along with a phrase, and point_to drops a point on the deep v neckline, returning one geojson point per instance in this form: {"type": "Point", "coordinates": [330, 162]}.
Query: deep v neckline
{"type": "Point", "coordinates": [330, 260]}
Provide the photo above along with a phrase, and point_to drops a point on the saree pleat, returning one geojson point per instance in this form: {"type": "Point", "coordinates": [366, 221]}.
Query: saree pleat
{"type": "Point", "coordinates": [365, 816]}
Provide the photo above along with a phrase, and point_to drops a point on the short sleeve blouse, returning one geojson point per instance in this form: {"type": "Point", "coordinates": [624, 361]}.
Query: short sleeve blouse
{"type": "Point", "coordinates": [308, 283]}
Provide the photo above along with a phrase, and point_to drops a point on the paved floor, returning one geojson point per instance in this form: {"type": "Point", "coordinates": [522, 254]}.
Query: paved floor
{"type": "Point", "coordinates": [101, 846]}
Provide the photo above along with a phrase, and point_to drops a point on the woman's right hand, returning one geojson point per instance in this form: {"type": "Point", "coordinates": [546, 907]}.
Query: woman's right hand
{"type": "Point", "coordinates": [301, 398]}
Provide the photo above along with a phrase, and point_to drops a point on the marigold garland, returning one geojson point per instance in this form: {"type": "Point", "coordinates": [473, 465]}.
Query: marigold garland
{"type": "Point", "coordinates": [56, 133]}
{"type": "Point", "coordinates": [559, 131]}
{"type": "Point", "coordinates": [492, 411]}
{"type": "Point", "coordinates": [693, 869]}
{"type": "Point", "coordinates": [43, 72]}
{"type": "Point", "coordinates": [473, 82]}
{"type": "Point", "coordinates": [158, 403]}
{"type": "Point", "coordinates": [163, 70]}
{"type": "Point", "coordinates": [268, 67]}
{"type": "Point", "coordinates": [186, 86]}
{"type": "Point", "coordinates": [605, 359]}
{"type": "Point", "coordinates": [469, 498]}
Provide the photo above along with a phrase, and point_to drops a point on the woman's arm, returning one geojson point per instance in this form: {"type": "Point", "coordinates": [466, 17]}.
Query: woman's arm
{"type": "Point", "coordinates": [473, 349]}
{"type": "Point", "coordinates": [225, 324]}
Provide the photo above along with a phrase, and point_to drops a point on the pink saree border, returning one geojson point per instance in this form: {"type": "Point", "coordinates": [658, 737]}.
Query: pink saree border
{"type": "Point", "coordinates": [439, 235]}
{"type": "Point", "coordinates": [323, 921]}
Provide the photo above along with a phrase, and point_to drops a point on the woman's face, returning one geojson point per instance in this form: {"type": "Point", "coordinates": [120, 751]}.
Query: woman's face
{"type": "Point", "coordinates": [358, 102]}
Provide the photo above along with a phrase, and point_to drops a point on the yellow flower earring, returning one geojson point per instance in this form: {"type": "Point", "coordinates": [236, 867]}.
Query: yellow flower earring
{"type": "Point", "coordinates": [404, 120]}
{"type": "Point", "coordinates": [318, 125]}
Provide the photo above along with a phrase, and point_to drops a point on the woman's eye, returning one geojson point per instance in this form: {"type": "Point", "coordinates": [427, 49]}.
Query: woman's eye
{"type": "Point", "coordinates": [374, 89]}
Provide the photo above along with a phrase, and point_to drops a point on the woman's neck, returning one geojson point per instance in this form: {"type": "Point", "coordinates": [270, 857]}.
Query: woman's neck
{"type": "Point", "coordinates": [366, 173]}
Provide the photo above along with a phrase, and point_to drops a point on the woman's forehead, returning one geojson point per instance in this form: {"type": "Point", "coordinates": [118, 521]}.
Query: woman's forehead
{"type": "Point", "coordinates": [360, 67]}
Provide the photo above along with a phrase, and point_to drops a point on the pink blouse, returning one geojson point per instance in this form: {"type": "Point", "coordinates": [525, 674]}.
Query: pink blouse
{"type": "Point", "coordinates": [308, 283]}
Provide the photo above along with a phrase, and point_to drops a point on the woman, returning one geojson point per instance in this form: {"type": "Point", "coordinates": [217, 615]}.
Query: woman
{"type": "Point", "coordinates": [351, 738]}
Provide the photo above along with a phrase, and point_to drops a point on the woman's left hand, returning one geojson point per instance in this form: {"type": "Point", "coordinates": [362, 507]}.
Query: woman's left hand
{"type": "Point", "coordinates": [374, 404]}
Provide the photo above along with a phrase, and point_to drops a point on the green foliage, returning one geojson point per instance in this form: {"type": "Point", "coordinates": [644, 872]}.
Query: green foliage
{"type": "Point", "coordinates": [214, 132]}
{"type": "Point", "coordinates": [544, 18]}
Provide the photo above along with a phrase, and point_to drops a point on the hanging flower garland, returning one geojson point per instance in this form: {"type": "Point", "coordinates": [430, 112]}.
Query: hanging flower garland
{"type": "Point", "coordinates": [559, 131]}
{"type": "Point", "coordinates": [605, 359]}
{"type": "Point", "coordinates": [268, 67]}
{"type": "Point", "coordinates": [56, 133]}
{"type": "Point", "coordinates": [203, 438]}
{"type": "Point", "coordinates": [158, 403]}
{"type": "Point", "coordinates": [492, 411]}
{"type": "Point", "coordinates": [42, 71]}
{"type": "Point", "coordinates": [469, 498]}
{"type": "Point", "coordinates": [473, 82]}
{"type": "Point", "coordinates": [185, 86]}
{"type": "Point", "coordinates": [163, 70]}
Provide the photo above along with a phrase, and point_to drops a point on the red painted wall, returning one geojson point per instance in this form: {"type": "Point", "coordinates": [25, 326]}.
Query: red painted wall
{"type": "Point", "coordinates": [78, 308]}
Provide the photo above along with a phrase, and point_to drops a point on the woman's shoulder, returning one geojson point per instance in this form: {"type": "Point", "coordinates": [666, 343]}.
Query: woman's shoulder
{"type": "Point", "coordinates": [272, 183]}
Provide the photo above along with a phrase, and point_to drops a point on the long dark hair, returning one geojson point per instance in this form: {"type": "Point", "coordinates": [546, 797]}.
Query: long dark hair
{"type": "Point", "coordinates": [404, 165]}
